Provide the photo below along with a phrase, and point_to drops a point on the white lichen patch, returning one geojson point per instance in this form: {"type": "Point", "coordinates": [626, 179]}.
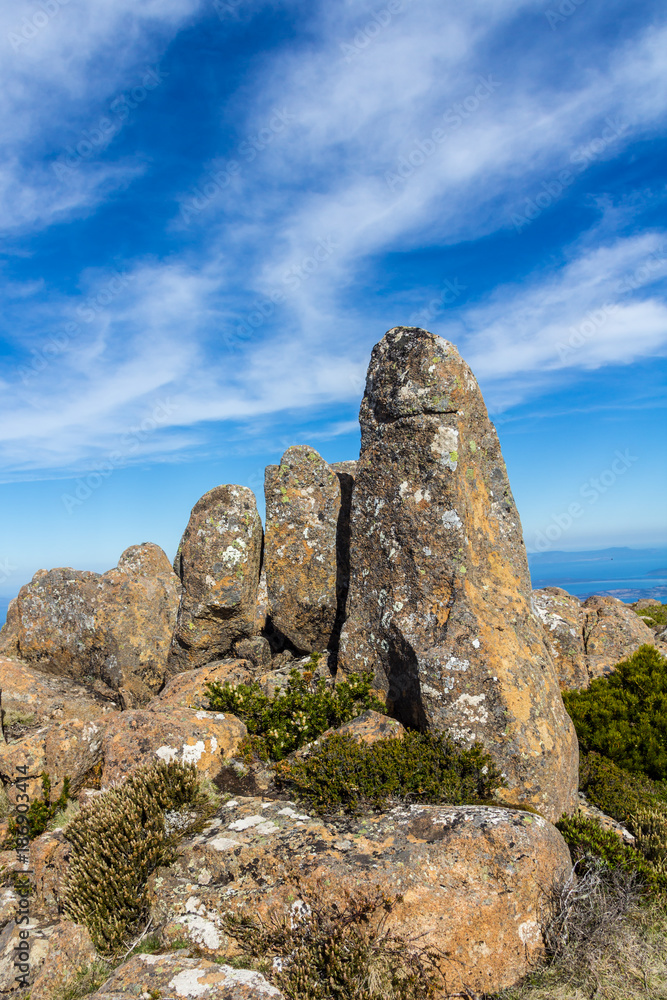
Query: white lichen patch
{"type": "Point", "coordinates": [451, 519]}
{"type": "Point", "coordinates": [454, 663]}
{"type": "Point", "coordinates": [529, 932]}
{"type": "Point", "coordinates": [246, 823]}
{"type": "Point", "coordinates": [472, 707]}
{"type": "Point", "coordinates": [266, 828]}
{"type": "Point", "coordinates": [475, 643]}
{"type": "Point", "coordinates": [193, 753]}
{"type": "Point", "coordinates": [201, 930]}
{"type": "Point", "coordinates": [167, 753]}
{"type": "Point", "coordinates": [445, 446]}
{"type": "Point", "coordinates": [222, 844]}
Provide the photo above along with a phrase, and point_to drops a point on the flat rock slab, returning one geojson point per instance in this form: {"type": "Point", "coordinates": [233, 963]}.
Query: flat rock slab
{"type": "Point", "coordinates": [218, 562]}
{"type": "Point", "coordinates": [176, 976]}
{"type": "Point", "coordinates": [188, 690]}
{"type": "Point", "coordinates": [439, 601]}
{"type": "Point", "coordinates": [470, 878]}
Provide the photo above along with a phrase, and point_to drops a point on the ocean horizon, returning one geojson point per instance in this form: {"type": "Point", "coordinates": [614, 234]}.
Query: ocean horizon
{"type": "Point", "coordinates": [622, 572]}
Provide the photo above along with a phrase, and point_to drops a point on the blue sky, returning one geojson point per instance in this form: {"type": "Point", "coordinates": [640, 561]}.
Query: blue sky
{"type": "Point", "coordinates": [211, 211]}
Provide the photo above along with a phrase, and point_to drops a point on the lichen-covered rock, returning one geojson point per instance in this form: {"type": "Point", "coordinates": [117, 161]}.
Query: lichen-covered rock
{"type": "Point", "coordinates": [439, 601]}
{"type": "Point", "coordinates": [611, 632]}
{"type": "Point", "coordinates": [588, 640]}
{"type": "Point", "coordinates": [69, 950]}
{"type": "Point", "coordinates": [257, 650]}
{"type": "Point", "coordinates": [71, 749]}
{"type": "Point", "coordinates": [177, 977]}
{"type": "Point", "coordinates": [219, 560]}
{"type": "Point", "coordinates": [49, 859]}
{"type": "Point", "coordinates": [114, 627]}
{"type": "Point", "coordinates": [303, 498]}
{"type": "Point", "coordinates": [31, 698]}
{"type": "Point", "coordinates": [188, 690]}
{"type": "Point", "coordinates": [13, 960]}
{"type": "Point", "coordinates": [562, 620]}
{"type": "Point", "coordinates": [190, 736]}
{"type": "Point", "coordinates": [470, 879]}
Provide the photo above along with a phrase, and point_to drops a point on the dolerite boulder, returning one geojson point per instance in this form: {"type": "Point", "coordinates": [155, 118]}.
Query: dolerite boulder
{"type": "Point", "coordinates": [439, 602]}
{"type": "Point", "coordinates": [588, 640]}
{"type": "Point", "coordinates": [219, 561]}
{"type": "Point", "coordinates": [303, 500]}
{"type": "Point", "coordinates": [114, 628]}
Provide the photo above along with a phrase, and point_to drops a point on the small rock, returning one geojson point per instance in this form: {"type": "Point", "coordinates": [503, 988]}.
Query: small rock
{"type": "Point", "coordinates": [179, 977]}
{"type": "Point", "coordinates": [255, 649]}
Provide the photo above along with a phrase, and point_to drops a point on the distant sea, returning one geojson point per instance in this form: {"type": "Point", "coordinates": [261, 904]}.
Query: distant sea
{"type": "Point", "coordinates": [627, 574]}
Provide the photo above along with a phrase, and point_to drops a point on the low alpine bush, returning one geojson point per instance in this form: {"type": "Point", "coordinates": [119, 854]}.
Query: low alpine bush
{"type": "Point", "coordinates": [119, 838]}
{"type": "Point", "coordinates": [624, 716]}
{"type": "Point", "coordinates": [283, 723]}
{"type": "Point", "coordinates": [655, 616]}
{"type": "Point", "coordinates": [344, 772]}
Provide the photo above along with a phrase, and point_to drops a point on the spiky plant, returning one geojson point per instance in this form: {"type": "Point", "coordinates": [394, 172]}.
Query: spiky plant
{"type": "Point", "coordinates": [119, 838]}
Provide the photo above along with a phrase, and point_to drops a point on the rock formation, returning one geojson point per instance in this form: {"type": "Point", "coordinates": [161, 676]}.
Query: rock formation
{"type": "Point", "coordinates": [303, 501]}
{"type": "Point", "coordinates": [439, 601]}
{"type": "Point", "coordinates": [588, 639]}
{"type": "Point", "coordinates": [111, 631]}
{"type": "Point", "coordinates": [218, 562]}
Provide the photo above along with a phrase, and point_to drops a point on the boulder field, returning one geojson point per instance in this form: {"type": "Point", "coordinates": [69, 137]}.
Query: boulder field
{"type": "Point", "coordinates": [408, 563]}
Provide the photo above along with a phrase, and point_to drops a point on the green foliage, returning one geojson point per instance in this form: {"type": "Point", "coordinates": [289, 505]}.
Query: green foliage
{"type": "Point", "coordinates": [589, 841]}
{"type": "Point", "coordinates": [655, 616]}
{"type": "Point", "coordinates": [119, 838]}
{"type": "Point", "coordinates": [283, 723]}
{"type": "Point", "coordinates": [624, 716]}
{"type": "Point", "coordinates": [615, 791]}
{"type": "Point", "coordinates": [418, 767]}
{"type": "Point", "coordinates": [40, 813]}
{"type": "Point", "coordinates": [328, 950]}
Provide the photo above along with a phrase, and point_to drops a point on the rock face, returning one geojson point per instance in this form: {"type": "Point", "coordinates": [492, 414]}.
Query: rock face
{"type": "Point", "coordinates": [114, 628]}
{"type": "Point", "coordinates": [469, 878]}
{"type": "Point", "coordinates": [439, 601]}
{"type": "Point", "coordinates": [30, 698]}
{"type": "Point", "coordinates": [588, 640]}
{"type": "Point", "coordinates": [303, 502]}
{"type": "Point", "coordinates": [219, 561]}
{"type": "Point", "coordinates": [178, 976]}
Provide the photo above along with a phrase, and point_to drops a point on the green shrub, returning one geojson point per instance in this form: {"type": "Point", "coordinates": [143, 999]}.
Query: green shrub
{"type": "Point", "coordinates": [326, 950]}
{"type": "Point", "coordinates": [655, 616]}
{"type": "Point", "coordinates": [119, 838]}
{"type": "Point", "coordinates": [418, 767]}
{"type": "Point", "coordinates": [590, 843]}
{"type": "Point", "coordinates": [40, 813]}
{"type": "Point", "coordinates": [624, 716]}
{"type": "Point", "coordinates": [616, 791]}
{"type": "Point", "coordinates": [283, 723]}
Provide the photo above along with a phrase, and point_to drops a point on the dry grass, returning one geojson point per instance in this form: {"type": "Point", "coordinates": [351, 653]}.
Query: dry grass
{"type": "Point", "coordinates": [606, 943]}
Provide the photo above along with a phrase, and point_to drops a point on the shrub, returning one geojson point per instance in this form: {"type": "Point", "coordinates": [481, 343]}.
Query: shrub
{"type": "Point", "coordinates": [283, 723]}
{"type": "Point", "coordinates": [325, 950]}
{"type": "Point", "coordinates": [418, 767]}
{"type": "Point", "coordinates": [591, 844]}
{"type": "Point", "coordinates": [655, 616]}
{"type": "Point", "coordinates": [601, 941]}
{"type": "Point", "coordinates": [624, 716]}
{"type": "Point", "coordinates": [119, 838]}
{"type": "Point", "coordinates": [40, 813]}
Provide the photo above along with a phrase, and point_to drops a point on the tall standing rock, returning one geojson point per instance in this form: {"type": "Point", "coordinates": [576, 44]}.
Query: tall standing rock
{"type": "Point", "coordinates": [219, 561]}
{"type": "Point", "coordinates": [439, 602]}
{"type": "Point", "coordinates": [303, 502]}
